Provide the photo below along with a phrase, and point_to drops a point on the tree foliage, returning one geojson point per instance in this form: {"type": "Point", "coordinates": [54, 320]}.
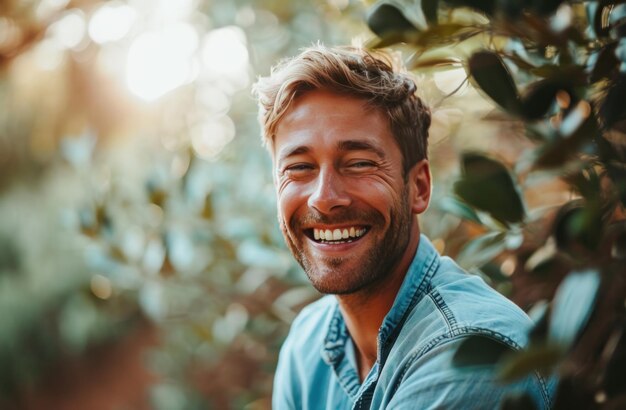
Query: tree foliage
{"type": "Point", "coordinates": [559, 69]}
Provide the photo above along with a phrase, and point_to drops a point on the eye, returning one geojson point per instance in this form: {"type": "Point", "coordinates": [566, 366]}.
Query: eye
{"type": "Point", "coordinates": [361, 165]}
{"type": "Point", "coordinates": [298, 169]}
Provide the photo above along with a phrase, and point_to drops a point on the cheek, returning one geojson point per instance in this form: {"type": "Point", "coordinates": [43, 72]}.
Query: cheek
{"type": "Point", "coordinates": [289, 200]}
{"type": "Point", "coordinates": [380, 196]}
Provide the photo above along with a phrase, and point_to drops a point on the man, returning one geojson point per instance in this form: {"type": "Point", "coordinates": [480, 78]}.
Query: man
{"type": "Point", "coordinates": [348, 139]}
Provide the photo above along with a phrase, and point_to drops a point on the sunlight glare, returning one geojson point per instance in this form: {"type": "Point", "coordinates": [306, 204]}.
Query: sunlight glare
{"type": "Point", "coordinates": [174, 10]}
{"type": "Point", "coordinates": [160, 61]}
{"type": "Point", "coordinates": [111, 22]}
{"type": "Point", "coordinates": [48, 54]}
{"type": "Point", "coordinates": [69, 30]}
{"type": "Point", "coordinates": [46, 8]}
{"type": "Point", "coordinates": [225, 53]}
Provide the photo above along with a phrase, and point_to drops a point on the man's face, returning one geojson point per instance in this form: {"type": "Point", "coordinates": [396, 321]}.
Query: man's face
{"type": "Point", "coordinates": [343, 202]}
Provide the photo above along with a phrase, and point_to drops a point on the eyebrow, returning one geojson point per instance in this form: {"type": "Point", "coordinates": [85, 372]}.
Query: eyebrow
{"type": "Point", "coordinates": [360, 145]}
{"type": "Point", "coordinates": [291, 151]}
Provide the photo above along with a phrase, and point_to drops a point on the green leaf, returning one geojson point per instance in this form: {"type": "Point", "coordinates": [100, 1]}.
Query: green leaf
{"type": "Point", "coordinates": [572, 306]}
{"type": "Point", "coordinates": [512, 8]}
{"type": "Point", "coordinates": [587, 181]}
{"type": "Point", "coordinates": [479, 350]}
{"type": "Point", "coordinates": [444, 34]}
{"type": "Point", "coordinates": [522, 363]}
{"type": "Point", "coordinates": [618, 175]}
{"type": "Point", "coordinates": [439, 63]}
{"type": "Point", "coordinates": [390, 39]}
{"type": "Point", "coordinates": [487, 185]}
{"type": "Point", "coordinates": [568, 74]}
{"type": "Point", "coordinates": [486, 6]}
{"type": "Point", "coordinates": [546, 7]}
{"type": "Point", "coordinates": [482, 249]}
{"type": "Point", "coordinates": [612, 108]}
{"type": "Point", "coordinates": [595, 12]}
{"type": "Point", "coordinates": [385, 18]}
{"type": "Point", "coordinates": [620, 50]}
{"type": "Point", "coordinates": [493, 77]}
{"type": "Point", "coordinates": [539, 98]}
{"type": "Point", "coordinates": [457, 208]}
{"type": "Point", "coordinates": [518, 401]}
{"type": "Point", "coordinates": [577, 131]}
{"type": "Point", "coordinates": [430, 9]}
{"type": "Point", "coordinates": [578, 228]}
{"type": "Point", "coordinates": [603, 63]}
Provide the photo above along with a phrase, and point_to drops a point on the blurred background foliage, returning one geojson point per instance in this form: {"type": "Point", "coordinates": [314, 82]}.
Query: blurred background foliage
{"type": "Point", "coordinates": [140, 262]}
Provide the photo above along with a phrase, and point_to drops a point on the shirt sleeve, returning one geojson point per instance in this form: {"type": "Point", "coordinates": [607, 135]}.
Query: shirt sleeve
{"type": "Point", "coordinates": [432, 382]}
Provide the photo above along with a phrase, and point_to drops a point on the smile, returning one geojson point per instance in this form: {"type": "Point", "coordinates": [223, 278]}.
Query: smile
{"type": "Point", "coordinates": [337, 235]}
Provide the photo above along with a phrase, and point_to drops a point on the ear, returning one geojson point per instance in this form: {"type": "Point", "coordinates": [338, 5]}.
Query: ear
{"type": "Point", "coordinates": [420, 186]}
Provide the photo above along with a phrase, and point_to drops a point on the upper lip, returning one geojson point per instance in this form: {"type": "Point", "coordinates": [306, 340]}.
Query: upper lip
{"type": "Point", "coordinates": [333, 227]}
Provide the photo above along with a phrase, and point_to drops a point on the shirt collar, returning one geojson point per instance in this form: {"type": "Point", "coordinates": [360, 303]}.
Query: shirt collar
{"type": "Point", "coordinates": [415, 284]}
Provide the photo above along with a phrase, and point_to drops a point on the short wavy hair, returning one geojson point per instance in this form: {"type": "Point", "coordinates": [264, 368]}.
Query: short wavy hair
{"type": "Point", "coordinates": [374, 76]}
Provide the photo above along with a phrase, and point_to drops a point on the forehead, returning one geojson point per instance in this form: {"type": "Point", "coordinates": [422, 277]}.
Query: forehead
{"type": "Point", "coordinates": [321, 118]}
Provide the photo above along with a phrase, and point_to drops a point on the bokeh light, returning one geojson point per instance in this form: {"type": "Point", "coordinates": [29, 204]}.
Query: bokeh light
{"type": "Point", "coordinates": [209, 138]}
{"type": "Point", "coordinates": [69, 30]}
{"type": "Point", "coordinates": [161, 60]}
{"type": "Point", "coordinates": [111, 22]}
{"type": "Point", "coordinates": [224, 51]}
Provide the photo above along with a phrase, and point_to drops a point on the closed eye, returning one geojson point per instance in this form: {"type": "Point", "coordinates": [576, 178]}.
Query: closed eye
{"type": "Point", "coordinates": [361, 165]}
{"type": "Point", "coordinates": [298, 169]}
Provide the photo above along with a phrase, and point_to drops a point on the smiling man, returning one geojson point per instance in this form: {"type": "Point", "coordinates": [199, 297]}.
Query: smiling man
{"type": "Point", "coordinates": [348, 138]}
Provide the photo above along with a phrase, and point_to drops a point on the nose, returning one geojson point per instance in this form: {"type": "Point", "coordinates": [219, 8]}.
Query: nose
{"type": "Point", "coordinates": [329, 193]}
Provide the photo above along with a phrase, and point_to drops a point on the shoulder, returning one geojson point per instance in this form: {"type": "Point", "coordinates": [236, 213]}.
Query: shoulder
{"type": "Point", "coordinates": [307, 329]}
{"type": "Point", "coordinates": [454, 306]}
{"type": "Point", "coordinates": [464, 303]}
{"type": "Point", "coordinates": [300, 363]}
{"type": "Point", "coordinates": [302, 348]}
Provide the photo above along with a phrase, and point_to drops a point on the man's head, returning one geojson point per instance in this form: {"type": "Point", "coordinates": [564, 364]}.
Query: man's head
{"type": "Point", "coordinates": [348, 141]}
{"type": "Point", "coordinates": [373, 76]}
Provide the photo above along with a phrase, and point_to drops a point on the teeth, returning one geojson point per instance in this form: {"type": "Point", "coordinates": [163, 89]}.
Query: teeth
{"type": "Point", "coordinates": [337, 234]}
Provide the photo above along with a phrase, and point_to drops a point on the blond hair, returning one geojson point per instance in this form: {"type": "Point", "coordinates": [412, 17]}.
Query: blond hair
{"type": "Point", "coordinates": [374, 76]}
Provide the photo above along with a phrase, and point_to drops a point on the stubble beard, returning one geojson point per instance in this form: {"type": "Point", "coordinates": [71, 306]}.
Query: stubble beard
{"type": "Point", "coordinates": [328, 275]}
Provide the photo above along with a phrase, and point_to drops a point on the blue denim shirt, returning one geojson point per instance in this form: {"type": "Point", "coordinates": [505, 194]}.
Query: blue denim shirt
{"type": "Point", "coordinates": [437, 306]}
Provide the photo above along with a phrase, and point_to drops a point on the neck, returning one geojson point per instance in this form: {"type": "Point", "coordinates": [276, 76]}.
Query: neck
{"type": "Point", "coordinates": [365, 310]}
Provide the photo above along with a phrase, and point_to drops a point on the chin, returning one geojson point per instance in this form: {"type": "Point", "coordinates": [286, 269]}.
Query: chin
{"type": "Point", "coordinates": [336, 281]}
